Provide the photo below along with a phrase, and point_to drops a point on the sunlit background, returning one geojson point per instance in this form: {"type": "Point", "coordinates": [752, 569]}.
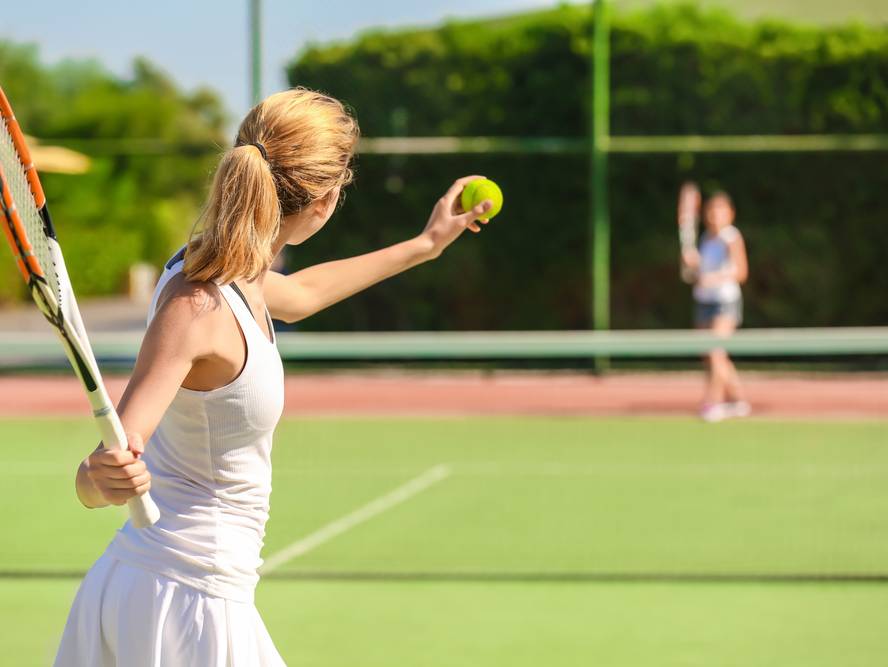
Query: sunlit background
{"type": "Point", "coordinates": [505, 440]}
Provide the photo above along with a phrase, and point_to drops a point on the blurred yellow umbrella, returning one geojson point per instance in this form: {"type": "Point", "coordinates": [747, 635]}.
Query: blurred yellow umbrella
{"type": "Point", "coordinates": [56, 159]}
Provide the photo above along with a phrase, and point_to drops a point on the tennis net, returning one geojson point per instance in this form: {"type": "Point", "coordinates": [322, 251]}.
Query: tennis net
{"type": "Point", "coordinates": [36, 349]}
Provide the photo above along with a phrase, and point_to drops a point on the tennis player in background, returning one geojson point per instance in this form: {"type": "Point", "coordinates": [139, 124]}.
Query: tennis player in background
{"type": "Point", "coordinates": [717, 268]}
{"type": "Point", "coordinates": [207, 392]}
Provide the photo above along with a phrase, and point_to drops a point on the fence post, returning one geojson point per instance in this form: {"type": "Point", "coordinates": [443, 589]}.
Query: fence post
{"type": "Point", "coordinates": [599, 224]}
{"type": "Point", "coordinates": [255, 51]}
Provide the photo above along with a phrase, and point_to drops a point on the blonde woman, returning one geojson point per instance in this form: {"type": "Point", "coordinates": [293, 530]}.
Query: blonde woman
{"type": "Point", "coordinates": [207, 392]}
{"type": "Point", "coordinates": [717, 268]}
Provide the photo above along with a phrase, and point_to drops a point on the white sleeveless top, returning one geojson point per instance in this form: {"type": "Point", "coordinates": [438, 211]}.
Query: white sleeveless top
{"type": "Point", "coordinates": [210, 464]}
{"type": "Point", "coordinates": [715, 256]}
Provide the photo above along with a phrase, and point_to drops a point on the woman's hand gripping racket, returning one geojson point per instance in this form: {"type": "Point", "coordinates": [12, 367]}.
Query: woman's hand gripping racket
{"type": "Point", "coordinates": [31, 235]}
{"type": "Point", "coordinates": [689, 201]}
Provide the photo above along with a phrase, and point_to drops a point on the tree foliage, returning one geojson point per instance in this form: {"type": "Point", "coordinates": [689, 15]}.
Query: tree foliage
{"type": "Point", "coordinates": [815, 224]}
{"type": "Point", "coordinates": [127, 207]}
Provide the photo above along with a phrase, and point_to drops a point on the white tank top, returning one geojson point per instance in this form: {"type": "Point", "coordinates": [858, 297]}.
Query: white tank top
{"type": "Point", "coordinates": [210, 464]}
{"type": "Point", "coordinates": [715, 256]}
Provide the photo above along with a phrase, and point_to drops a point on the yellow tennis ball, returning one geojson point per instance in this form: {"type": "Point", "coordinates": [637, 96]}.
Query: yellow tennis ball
{"type": "Point", "coordinates": [477, 191]}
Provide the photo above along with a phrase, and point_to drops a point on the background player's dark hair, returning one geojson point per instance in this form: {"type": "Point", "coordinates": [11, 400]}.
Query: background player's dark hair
{"type": "Point", "coordinates": [720, 194]}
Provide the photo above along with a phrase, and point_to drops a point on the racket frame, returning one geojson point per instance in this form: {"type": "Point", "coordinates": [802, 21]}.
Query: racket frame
{"type": "Point", "coordinates": [64, 316]}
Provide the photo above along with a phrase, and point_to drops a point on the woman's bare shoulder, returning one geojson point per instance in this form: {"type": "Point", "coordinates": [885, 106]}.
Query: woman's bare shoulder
{"type": "Point", "coordinates": [189, 297]}
{"type": "Point", "coordinates": [189, 312]}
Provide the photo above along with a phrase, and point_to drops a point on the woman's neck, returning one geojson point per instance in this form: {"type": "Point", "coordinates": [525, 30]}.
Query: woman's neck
{"type": "Point", "coordinates": [276, 248]}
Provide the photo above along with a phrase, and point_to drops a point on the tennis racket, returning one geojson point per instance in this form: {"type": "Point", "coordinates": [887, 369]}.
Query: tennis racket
{"type": "Point", "coordinates": [31, 235]}
{"type": "Point", "coordinates": [689, 200]}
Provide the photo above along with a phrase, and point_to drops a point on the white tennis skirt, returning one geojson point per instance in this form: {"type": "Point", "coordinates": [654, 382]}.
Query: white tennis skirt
{"type": "Point", "coordinates": [126, 616]}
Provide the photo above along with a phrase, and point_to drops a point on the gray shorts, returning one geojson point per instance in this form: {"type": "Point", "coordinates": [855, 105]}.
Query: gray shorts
{"type": "Point", "coordinates": [705, 313]}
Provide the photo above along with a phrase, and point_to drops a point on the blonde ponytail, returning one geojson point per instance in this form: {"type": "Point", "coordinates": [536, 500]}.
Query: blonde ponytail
{"type": "Point", "coordinates": [292, 149]}
{"type": "Point", "coordinates": [233, 238]}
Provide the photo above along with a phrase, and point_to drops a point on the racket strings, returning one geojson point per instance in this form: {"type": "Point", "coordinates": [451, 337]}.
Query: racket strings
{"type": "Point", "coordinates": [23, 216]}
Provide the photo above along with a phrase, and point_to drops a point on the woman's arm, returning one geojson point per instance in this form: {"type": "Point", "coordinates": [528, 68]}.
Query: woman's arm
{"type": "Point", "coordinates": [690, 258]}
{"type": "Point", "coordinates": [180, 333]}
{"type": "Point", "coordinates": [296, 296]}
{"type": "Point", "coordinates": [688, 219]}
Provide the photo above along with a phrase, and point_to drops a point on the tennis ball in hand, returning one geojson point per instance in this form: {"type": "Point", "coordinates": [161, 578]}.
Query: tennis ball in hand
{"type": "Point", "coordinates": [477, 191]}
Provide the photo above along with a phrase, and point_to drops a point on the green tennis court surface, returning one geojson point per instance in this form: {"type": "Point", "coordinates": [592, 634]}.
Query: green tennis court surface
{"type": "Point", "coordinates": [506, 541]}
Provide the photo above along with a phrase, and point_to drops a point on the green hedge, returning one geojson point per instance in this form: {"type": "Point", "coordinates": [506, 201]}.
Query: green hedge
{"type": "Point", "coordinates": [815, 224]}
{"type": "Point", "coordinates": [126, 208]}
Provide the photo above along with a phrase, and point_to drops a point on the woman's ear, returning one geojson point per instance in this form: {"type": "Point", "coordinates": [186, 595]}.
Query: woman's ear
{"type": "Point", "coordinates": [332, 200]}
{"type": "Point", "coordinates": [323, 208]}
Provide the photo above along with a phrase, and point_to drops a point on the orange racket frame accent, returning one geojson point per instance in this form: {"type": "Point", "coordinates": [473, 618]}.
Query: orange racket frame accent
{"type": "Point", "coordinates": [14, 241]}
{"type": "Point", "coordinates": [15, 230]}
{"type": "Point", "coordinates": [18, 239]}
{"type": "Point", "coordinates": [18, 139]}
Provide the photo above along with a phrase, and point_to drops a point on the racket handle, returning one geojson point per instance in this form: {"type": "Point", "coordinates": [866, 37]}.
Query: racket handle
{"type": "Point", "coordinates": [142, 509]}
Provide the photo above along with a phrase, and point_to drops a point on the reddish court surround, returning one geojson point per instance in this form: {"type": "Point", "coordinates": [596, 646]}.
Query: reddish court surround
{"type": "Point", "coordinates": [505, 393]}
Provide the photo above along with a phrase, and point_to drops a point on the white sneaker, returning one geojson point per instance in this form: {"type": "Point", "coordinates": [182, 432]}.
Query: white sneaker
{"type": "Point", "coordinates": [714, 412]}
{"type": "Point", "coordinates": [737, 409]}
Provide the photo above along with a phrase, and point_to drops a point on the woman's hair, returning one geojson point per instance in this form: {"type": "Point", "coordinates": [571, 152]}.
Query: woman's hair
{"type": "Point", "coordinates": [292, 149]}
{"type": "Point", "coordinates": [720, 194]}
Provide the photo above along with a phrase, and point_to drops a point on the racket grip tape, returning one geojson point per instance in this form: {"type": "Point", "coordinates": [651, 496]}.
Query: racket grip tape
{"type": "Point", "coordinates": [142, 509]}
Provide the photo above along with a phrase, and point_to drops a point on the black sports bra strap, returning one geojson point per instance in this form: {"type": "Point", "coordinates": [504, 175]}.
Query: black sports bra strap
{"type": "Point", "coordinates": [237, 290]}
{"type": "Point", "coordinates": [175, 259]}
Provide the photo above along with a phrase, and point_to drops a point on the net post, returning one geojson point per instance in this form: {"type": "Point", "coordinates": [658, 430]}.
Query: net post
{"type": "Point", "coordinates": [255, 51]}
{"type": "Point", "coordinates": [599, 223]}
{"type": "Point", "coordinates": [398, 122]}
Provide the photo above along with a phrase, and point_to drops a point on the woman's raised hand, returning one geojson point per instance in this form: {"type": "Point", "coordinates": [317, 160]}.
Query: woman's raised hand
{"type": "Point", "coordinates": [448, 220]}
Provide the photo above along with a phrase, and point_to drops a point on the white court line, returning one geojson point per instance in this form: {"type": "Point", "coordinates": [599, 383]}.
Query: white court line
{"type": "Point", "coordinates": [395, 497]}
